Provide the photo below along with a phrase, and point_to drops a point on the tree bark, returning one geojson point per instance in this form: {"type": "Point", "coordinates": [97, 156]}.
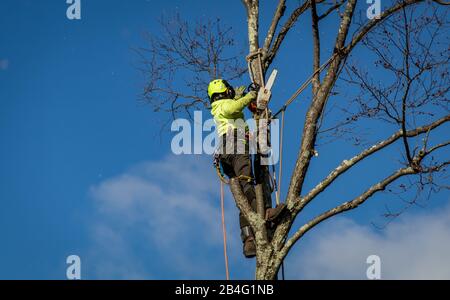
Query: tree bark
{"type": "Point", "coordinates": [270, 254]}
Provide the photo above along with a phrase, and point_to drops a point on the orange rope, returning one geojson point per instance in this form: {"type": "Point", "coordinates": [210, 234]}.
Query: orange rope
{"type": "Point", "coordinates": [224, 230]}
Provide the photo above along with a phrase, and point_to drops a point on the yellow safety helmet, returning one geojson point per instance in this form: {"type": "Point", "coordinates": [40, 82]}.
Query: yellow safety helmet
{"type": "Point", "coordinates": [217, 86]}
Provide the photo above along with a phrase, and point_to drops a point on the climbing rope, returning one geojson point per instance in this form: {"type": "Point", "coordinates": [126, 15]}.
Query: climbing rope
{"type": "Point", "coordinates": [303, 86]}
{"type": "Point", "coordinates": [280, 173]}
{"type": "Point", "coordinates": [224, 181]}
{"type": "Point", "coordinates": [221, 176]}
{"type": "Point", "coordinates": [280, 166]}
{"type": "Point", "coordinates": [224, 230]}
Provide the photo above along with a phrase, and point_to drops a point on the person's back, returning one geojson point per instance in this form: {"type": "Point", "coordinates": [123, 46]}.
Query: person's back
{"type": "Point", "coordinates": [228, 113]}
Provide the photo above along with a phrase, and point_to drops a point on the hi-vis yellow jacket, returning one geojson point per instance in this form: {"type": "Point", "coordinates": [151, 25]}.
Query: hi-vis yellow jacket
{"type": "Point", "coordinates": [228, 113]}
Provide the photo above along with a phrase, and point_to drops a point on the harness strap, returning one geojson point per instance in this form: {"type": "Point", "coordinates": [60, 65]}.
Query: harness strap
{"type": "Point", "coordinates": [222, 176]}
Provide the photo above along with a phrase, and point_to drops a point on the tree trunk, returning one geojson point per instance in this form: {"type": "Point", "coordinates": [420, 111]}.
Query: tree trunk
{"type": "Point", "coordinates": [252, 7]}
{"type": "Point", "coordinates": [267, 263]}
{"type": "Point", "coordinates": [266, 266]}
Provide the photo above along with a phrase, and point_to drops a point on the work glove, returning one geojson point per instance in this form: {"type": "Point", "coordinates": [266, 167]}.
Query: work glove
{"type": "Point", "coordinates": [240, 92]}
{"type": "Point", "coordinates": [252, 106]}
{"type": "Point", "coordinates": [252, 94]}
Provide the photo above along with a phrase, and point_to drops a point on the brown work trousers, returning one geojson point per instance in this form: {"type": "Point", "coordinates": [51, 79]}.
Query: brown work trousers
{"type": "Point", "coordinates": [240, 164]}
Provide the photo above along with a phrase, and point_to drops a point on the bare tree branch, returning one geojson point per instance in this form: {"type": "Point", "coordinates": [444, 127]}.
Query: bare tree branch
{"type": "Point", "coordinates": [408, 85]}
{"type": "Point", "coordinates": [331, 9]}
{"type": "Point", "coordinates": [273, 26]}
{"type": "Point", "coordinates": [347, 164]}
{"type": "Point", "coordinates": [252, 7]}
{"type": "Point", "coordinates": [345, 206]}
{"type": "Point", "coordinates": [380, 186]}
{"type": "Point", "coordinates": [283, 32]}
{"type": "Point", "coordinates": [316, 47]}
{"type": "Point", "coordinates": [374, 22]}
{"type": "Point", "coordinates": [441, 2]}
{"type": "Point", "coordinates": [438, 147]}
{"type": "Point", "coordinates": [420, 78]}
{"type": "Point", "coordinates": [317, 105]}
{"type": "Point", "coordinates": [189, 54]}
{"type": "Point", "coordinates": [316, 108]}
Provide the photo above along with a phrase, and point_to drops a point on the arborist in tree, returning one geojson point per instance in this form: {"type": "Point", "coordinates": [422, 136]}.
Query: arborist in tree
{"type": "Point", "coordinates": [227, 108]}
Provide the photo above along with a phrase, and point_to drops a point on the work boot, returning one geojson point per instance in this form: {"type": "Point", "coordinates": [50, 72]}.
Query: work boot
{"type": "Point", "coordinates": [272, 214]}
{"type": "Point", "coordinates": [249, 246]}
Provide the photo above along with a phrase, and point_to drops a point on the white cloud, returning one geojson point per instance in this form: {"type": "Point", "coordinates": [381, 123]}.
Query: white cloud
{"type": "Point", "coordinates": [162, 213]}
{"type": "Point", "coordinates": [4, 64]}
{"type": "Point", "coordinates": [112, 256]}
{"type": "Point", "coordinates": [413, 247]}
{"type": "Point", "coordinates": [161, 219]}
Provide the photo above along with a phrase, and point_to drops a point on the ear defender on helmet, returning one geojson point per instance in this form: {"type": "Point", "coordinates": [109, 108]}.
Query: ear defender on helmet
{"type": "Point", "coordinates": [220, 86]}
{"type": "Point", "coordinates": [230, 90]}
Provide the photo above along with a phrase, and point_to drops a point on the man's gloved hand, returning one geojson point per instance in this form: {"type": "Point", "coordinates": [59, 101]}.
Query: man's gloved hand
{"type": "Point", "coordinates": [252, 106]}
{"type": "Point", "coordinates": [253, 94]}
{"type": "Point", "coordinates": [240, 92]}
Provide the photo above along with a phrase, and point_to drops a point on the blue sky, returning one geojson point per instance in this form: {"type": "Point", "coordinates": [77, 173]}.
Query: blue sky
{"type": "Point", "coordinates": [85, 171]}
